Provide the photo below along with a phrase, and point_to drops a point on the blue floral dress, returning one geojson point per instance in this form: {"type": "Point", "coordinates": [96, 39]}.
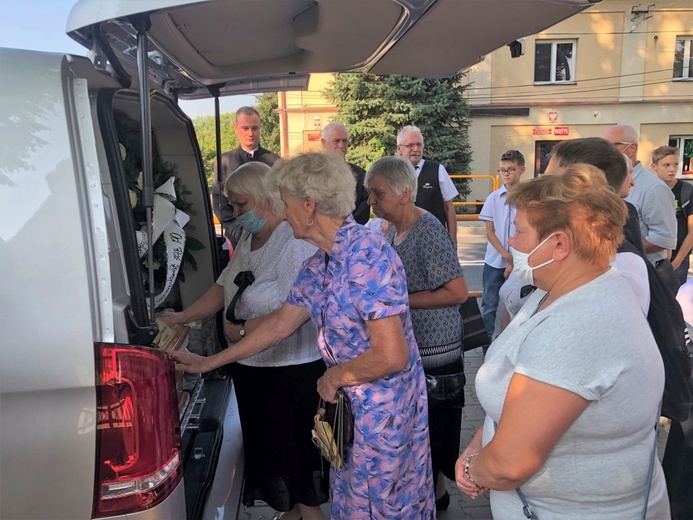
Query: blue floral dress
{"type": "Point", "coordinates": [387, 474]}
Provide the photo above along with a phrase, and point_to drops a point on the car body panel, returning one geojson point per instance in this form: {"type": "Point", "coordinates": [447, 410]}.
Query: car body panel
{"type": "Point", "coordinates": [47, 355]}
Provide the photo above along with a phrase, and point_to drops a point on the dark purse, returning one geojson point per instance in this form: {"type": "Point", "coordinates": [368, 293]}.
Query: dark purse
{"type": "Point", "coordinates": [445, 391]}
{"type": "Point", "coordinates": [473, 330]}
{"type": "Point", "coordinates": [333, 428]}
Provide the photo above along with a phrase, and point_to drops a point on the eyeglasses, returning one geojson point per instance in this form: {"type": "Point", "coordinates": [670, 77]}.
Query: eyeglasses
{"type": "Point", "coordinates": [503, 171]}
{"type": "Point", "coordinates": [412, 145]}
{"type": "Point", "coordinates": [616, 143]}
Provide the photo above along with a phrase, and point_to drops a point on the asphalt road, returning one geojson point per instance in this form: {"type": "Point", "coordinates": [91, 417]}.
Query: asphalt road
{"type": "Point", "coordinates": [471, 247]}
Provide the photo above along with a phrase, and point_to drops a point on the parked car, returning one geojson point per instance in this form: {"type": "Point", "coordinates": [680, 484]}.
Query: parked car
{"type": "Point", "coordinates": [94, 422]}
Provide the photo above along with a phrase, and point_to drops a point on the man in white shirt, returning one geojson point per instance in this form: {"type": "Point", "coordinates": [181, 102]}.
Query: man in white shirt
{"type": "Point", "coordinates": [436, 190]}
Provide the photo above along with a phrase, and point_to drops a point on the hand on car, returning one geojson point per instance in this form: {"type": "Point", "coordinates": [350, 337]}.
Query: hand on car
{"type": "Point", "coordinates": [191, 363]}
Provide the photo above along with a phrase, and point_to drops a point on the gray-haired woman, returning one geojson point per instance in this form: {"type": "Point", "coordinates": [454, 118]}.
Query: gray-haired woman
{"type": "Point", "coordinates": [436, 287]}
{"type": "Point", "coordinates": [275, 389]}
{"type": "Point", "coordinates": [354, 290]}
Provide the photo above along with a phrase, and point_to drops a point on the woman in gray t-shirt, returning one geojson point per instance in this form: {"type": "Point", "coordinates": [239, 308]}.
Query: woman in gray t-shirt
{"type": "Point", "coordinates": [571, 388]}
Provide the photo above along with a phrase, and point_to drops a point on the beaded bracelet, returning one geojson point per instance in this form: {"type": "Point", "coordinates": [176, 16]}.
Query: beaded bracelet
{"type": "Point", "coordinates": [466, 467]}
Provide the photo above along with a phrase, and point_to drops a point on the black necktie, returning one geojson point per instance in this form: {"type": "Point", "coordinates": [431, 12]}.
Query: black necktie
{"type": "Point", "coordinates": [249, 157]}
{"type": "Point", "coordinates": [416, 167]}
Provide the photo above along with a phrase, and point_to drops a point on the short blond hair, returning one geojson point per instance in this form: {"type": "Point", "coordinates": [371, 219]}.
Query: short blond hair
{"type": "Point", "coordinates": [663, 151]}
{"type": "Point", "coordinates": [579, 202]}
{"type": "Point", "coordinates": [325, 179]}
{"type": "Point", "coordinates": [250, 179]}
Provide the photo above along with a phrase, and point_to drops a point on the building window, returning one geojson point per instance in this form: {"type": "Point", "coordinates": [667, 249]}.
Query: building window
{"type": "Point", "coordinates": [683, 58]}
{"type": "Point", "coordinates": [542, 156]}
{"type": "Point", "coordinates": [685, 145]}
{"type": "Point", "coordinates": [554, 61]}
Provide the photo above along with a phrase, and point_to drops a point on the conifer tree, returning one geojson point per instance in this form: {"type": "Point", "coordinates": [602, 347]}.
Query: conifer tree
{"type": "Point", "coordinates": [375, 108]}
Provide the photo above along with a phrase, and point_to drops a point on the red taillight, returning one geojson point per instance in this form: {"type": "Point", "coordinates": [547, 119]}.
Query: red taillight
{"type": "Point", "coordinates": [137, 429]}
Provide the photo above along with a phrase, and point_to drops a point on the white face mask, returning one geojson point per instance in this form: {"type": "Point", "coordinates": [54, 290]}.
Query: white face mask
{"type": "Point", "coordinates": [523, 270]}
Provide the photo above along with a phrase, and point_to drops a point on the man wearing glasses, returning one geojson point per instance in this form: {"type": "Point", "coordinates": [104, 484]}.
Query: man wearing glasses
{"type": "Point", "coordinates": [500, 226]}
{"type": "Point", "coordinates": [655, 204]}
{"type": "Point", "coordinates": [436, 190]}
{"type": "Point", "coordinates": [335, 141]}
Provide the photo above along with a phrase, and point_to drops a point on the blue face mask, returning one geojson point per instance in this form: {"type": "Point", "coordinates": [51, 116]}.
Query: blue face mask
{"type": "Point", "coordinates": [251, 222]}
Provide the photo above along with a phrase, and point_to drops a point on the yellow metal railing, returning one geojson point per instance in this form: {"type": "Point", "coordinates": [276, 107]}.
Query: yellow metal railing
{"type": "Point", "coordinates": [495, 184]}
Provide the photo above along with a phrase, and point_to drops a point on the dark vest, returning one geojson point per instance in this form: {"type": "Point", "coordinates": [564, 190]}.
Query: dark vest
{"type": "Point", "coordinates": [429, 196]}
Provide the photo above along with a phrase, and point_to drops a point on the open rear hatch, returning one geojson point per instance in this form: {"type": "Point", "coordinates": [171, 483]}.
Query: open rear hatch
{"type": "Point", "coordinates": [255, 45]}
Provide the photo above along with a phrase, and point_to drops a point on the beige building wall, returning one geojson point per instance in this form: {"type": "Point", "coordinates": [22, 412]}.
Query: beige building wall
{"type": "Point", "coordinates": [303, 115]}
{"type": "Point", "coordinates": [623, 74]}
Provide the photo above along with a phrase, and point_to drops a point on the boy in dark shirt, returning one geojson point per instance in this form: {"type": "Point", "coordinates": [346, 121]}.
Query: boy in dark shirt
{"type": "Point", "coordinates": [665, 164]}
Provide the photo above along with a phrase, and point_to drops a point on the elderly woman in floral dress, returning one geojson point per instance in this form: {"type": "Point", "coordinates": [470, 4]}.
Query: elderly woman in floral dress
{"type": "Point", "coordinates": [354, 289]}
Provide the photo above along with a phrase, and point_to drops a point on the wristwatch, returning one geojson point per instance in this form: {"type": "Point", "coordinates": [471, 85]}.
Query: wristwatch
{"type": "Point", "coordinates": [241, 331]}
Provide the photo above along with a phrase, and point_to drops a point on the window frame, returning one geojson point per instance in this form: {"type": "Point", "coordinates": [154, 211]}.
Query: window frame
{"type": "Point", "coordinates": [554, 49]}
{"type": "Point", "coordinates": [686, 69]}
{"type": "Point", "coordinates": [679, 141]}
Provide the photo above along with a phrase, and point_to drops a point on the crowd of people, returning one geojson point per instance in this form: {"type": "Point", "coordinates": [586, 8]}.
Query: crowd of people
{"type": "Point", "coordinates": [315, 301]}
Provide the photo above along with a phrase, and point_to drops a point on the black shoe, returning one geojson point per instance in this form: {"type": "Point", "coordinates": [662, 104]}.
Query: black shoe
{"type": "Point", "coordinates": [443, 502]}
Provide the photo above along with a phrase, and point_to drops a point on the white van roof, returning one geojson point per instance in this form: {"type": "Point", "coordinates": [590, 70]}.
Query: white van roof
{"type": "Point", "coordinates": [203, 43]}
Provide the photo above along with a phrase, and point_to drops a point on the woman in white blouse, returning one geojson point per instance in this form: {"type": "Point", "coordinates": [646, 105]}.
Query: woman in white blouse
{"type": "Point", "coordinates": [275, 389]}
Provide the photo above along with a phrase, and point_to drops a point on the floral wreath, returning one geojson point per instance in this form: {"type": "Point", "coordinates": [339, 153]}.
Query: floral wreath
{"type": "Point", "coordinates": [172, 248]}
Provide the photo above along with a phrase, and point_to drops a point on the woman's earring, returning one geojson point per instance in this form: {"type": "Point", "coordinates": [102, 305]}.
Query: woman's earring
{"type": "Point", "coordinates": [309, 222]}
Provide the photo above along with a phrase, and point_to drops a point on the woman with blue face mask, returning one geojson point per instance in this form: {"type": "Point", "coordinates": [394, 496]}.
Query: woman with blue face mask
{"type": "Point", "coordinates": [275, 389]}
{"type": "Point", "coordinates": [571, 387]}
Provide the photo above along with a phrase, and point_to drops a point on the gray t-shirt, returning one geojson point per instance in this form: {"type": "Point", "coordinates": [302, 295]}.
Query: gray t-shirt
{"type": "Point", "coordinates": [595, 342]}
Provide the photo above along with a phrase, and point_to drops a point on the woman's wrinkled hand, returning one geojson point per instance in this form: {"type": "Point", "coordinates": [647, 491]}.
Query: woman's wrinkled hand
{"type": "Point", "coordinates": [463, 483]}
{"type": "Point", "coordinates": [173, 318]}
{"type": "Point", "coordinates": [232, 332]}
{"type": "Point", "coordinates": [328, 385]}
{"type": "Point", "coordinates": [192, 363]}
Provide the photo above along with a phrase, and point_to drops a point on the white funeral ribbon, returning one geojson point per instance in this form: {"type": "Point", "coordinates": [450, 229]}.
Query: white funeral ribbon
{"type": "Point", "coordinates": [169, 222]}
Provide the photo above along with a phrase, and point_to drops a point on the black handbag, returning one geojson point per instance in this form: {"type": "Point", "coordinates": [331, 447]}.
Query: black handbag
{"type": "Point", "coordinates": [473, 330]}
{"type": "Point", "coordinates": [445, 391]}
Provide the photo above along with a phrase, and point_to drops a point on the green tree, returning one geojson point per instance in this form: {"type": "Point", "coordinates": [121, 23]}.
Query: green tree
{"type": "Point", "coordinates": [207, 140]}
{"type": "Point", "coordinates": [267, 104]}
{"type": "Point", "coordinates": [375, 108]}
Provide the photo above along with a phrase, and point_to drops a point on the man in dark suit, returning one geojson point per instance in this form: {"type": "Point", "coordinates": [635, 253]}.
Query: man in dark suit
{"type": "Point", "coordinates": [247, 128]}
{"type": "Point", "coordinates": [436, 189]}
{"type": "Point", "coordinates": [335, 140]}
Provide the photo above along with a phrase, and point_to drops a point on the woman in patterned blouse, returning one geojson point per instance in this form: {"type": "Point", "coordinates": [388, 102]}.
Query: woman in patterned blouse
{"type": "Point", "coordinates": [275, 390]}
{"type": "Point", "coordinates": [354, 290]}
{"type": "Point", "coordinates": [436, 289]}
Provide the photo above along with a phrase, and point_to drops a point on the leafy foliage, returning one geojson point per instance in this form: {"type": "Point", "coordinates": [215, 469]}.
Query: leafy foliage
{"type": "Point", "coordinates": [131, 144]}
{"type": "Point", "coordinates": [207, 140]}
{"type": "Point", "coordinates": [266, 105]}
{"type": "Point", "coordinates": [375, 108]}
